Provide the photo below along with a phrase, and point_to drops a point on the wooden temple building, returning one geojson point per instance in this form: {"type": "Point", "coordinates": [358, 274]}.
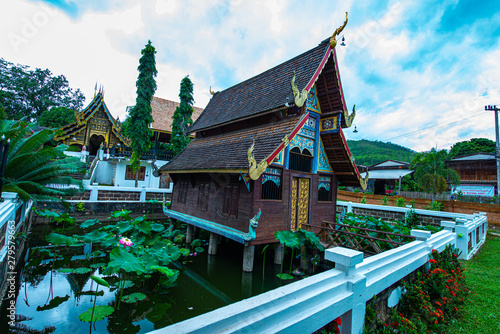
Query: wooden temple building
{"type": "Point", "coordinates": [268, 154]}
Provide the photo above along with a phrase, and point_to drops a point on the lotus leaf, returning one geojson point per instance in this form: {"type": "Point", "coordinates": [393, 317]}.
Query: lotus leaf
{"type": "Point", "coordinates": [288, 238]}
{"type": "Point", "coordinates": [133, 297]}
{"type": "Point", "coordinates": [82, 270]}
{"type": "Point", "coordinates": [159, 311]}
{"type": "Point", "coordinates": [88, 223]}
{"type": "Point", "coordinates": [121, 259]}
{"type": "Point", "coordinates": [100, 312]}
{"type": "Point", "coordinates": [94, 236]}
{"type": "Point", "coordinates": [123, 214]}
{"type": "Point", "coordinates": [144, 226]}
{"type": "Point", "coordinates": [97, 265]}
{"type": "Point", "coordinates": [284, 276]}
{"type": "Point", "coordinates": [123, 226]}
{"type": "Point", "coordinates": [60, 239]}
{"type": "Point", "coordinates": [164, 270]}
{"type": "Point", "coordinates": [56, 301]}
{"type": "Point", "coordinates": [157, 227]}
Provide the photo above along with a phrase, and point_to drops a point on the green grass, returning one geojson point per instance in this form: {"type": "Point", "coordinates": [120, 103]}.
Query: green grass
{"type": "Point", "coordinates": [481, 312]}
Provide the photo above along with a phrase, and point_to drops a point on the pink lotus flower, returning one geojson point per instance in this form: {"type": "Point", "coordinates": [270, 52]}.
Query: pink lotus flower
{"type": "Point", "coordinates": [126, 242]}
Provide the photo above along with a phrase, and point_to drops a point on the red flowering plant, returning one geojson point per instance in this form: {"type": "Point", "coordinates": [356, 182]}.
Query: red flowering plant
{"type": "Point", "coordinates": [432, 297]}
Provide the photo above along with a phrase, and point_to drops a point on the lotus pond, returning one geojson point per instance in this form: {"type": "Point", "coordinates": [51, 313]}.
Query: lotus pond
{"type": "Point", "coordinates": [129, 276]}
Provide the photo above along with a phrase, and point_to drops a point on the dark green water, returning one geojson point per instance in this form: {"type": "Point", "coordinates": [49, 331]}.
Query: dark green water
{"type": "Point", "coordinates": [205, 283]}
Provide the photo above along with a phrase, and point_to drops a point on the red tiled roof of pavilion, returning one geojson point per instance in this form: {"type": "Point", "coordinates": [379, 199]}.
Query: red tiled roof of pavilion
{"type": "Point", "coordinates": [163, 112]}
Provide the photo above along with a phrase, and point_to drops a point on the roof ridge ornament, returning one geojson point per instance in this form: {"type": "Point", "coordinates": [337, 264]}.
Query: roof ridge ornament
{"type": "Point", "coordinates": [300, 97]}
{"type": "Point", "coordinates": [363, 181]}
{"type": "Point", "coordinates": [349, 118]}
{"type": "Point", "coordinates": [211, 92]}
{"type": "Point", "coordinates": [333, 41]}
{"type": "Point", "coordinates": [254, 170]}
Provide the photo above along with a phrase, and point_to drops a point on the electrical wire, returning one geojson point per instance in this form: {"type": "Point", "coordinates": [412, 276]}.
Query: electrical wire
{"type": "Point", "coordinates": [430, 127]}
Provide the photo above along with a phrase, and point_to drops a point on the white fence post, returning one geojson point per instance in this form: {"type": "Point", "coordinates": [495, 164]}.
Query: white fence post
{"type": "Point", "coordinates": [346, 260]}
{"type": "Point", "coordinates": [94, 193]}
{"type": "Point", "coordinates": [349, 207]}
{"type": "Point", "coordinates": [142, 197]}
{"type": "Point", "coordinates": [462, 238]}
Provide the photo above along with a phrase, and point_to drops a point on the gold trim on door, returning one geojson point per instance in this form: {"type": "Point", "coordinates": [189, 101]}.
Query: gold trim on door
{"type": "Point", "coordinates": [293, 211]}
{"type": "Point", "coordinates": [299, 212]}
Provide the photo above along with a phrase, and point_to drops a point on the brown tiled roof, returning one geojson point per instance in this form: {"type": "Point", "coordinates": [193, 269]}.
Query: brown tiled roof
{"type": "Point", "coordinates": [229, 150]}
{"type": "Point", "coordinates": [266, 91]}
{"type": "Point", "coordinates": [163, 111]}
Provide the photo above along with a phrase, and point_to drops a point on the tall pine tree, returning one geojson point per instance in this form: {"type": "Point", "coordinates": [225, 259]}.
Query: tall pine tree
{"type": "Point", "coordinates": [182, 117]}
{"type": "Point", "coordinates": [140, 116]}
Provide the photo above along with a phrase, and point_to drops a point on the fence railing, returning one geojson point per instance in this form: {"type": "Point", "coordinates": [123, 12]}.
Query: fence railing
{"type": "Point", "coordinates": [307, 305]}
{"type": "Point", "coordinates": [351, 208]}
{"type": "Point", "coordinates": [365, 240]}
{"type": "Point", "coordinates": [141, 191]}
{"type": "Point", "coordinates": [14, 220]}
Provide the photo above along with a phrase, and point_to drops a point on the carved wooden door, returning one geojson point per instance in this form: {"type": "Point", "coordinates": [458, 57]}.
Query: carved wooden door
{"type": "Point", "coordinates": [299, 210]}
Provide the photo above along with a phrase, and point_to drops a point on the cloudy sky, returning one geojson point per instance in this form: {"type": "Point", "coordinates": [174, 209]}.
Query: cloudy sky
{"type": "Point", "coordinates": [419, 72]}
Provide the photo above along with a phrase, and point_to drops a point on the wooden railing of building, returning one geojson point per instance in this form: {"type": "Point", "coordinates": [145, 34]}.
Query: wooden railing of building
{"type": "Point", "coordinates": [365, 240]}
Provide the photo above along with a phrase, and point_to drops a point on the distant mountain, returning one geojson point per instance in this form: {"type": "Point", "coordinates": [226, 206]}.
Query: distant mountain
{"type": "Point", "coordinates": [368, 153]}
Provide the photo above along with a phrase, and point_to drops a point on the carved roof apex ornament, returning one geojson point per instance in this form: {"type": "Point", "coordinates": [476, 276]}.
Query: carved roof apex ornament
{"type": "Point", "coordinates": [333, 41]}
{"type": "Point", "coordinates": [254, 170]}
{"type": "Point", "coordinates": [300, 97]}
{"type": "Point", "coordinates": [211, 92]}
{"type": "Point", "coordinates": [363, 182]}
{"type": "Point", "coordinates": [349, 118]}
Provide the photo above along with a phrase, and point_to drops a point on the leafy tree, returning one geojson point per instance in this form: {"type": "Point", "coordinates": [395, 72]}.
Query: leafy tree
{"type": "Point", "coordinates": [138, 129]}
{"type": "Point", "coordinates": [431, 172]}
{"type": "Point", "coordinates": [182, 117]}
{"type": "Point", "coordinates": [27, 93]}
{"type": "Point", "coordinates": [56, 117]}
{"type": "Point", "coordinates": [475, 145]}
{"type": "Point", "coordinates": [33, 167]}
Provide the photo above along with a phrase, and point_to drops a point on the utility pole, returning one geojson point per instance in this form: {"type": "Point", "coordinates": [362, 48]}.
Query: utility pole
{"type": "Point", "coordinates": [497, 151]}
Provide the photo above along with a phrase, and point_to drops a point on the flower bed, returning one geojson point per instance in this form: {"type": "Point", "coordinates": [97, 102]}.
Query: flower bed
{"type": "Point", "coordinates": [431, 299]}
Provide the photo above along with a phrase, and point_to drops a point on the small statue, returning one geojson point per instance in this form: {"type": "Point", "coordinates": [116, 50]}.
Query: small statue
{"type": "Point", "coordinates": [252, 226]}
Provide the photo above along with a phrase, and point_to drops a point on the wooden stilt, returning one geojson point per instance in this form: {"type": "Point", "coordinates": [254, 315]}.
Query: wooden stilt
{"type": "Point", "coordinates": [279, 252]}
{"type": "Point", "coordinates": [189, 234]}
{"type": "Point", "coordinates": [248, 255]}
{"type": "Point", "coordinates": [212, 244]}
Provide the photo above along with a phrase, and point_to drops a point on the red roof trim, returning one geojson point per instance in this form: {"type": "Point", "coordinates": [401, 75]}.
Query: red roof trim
{"type": "Point", "coordinates": [295, 130]}
{"type": "Point", "coordinates": [344, 141]}
{"type": "Point", "coordinates": [319, 69]}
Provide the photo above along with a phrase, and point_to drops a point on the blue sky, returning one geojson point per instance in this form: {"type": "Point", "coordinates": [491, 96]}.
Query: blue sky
{"type": "Point", "coordinates": [419, 72]}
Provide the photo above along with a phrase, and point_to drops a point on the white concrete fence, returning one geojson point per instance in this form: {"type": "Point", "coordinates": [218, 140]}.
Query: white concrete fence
{"type": "Point", "coordinates": [14, 218]}
{"type": "Point", "coordinates": [309, 304]}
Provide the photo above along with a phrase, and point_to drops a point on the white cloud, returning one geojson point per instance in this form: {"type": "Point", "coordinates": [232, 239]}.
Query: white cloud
{"type": "Point", "coordinates": [401, 71]}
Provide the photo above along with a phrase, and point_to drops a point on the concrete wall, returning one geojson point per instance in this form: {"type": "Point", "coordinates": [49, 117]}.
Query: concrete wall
{"type": "Point", "coordinates": [149, 182]}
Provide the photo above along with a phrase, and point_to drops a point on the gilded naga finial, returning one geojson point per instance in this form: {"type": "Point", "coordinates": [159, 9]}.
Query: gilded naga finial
{"type": "Point", "coordinates": [300, 97]}
{"type": "Point", "coordinates": [349, 118]}
{"type": "Point", "coordinates": [364, 181]}
{"type": "Point", "coordinates": [333, 41]}
{"type": "Point", "coordinates": [254, 170]}
{"type": "Point", "coordinates": [211, 92]}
